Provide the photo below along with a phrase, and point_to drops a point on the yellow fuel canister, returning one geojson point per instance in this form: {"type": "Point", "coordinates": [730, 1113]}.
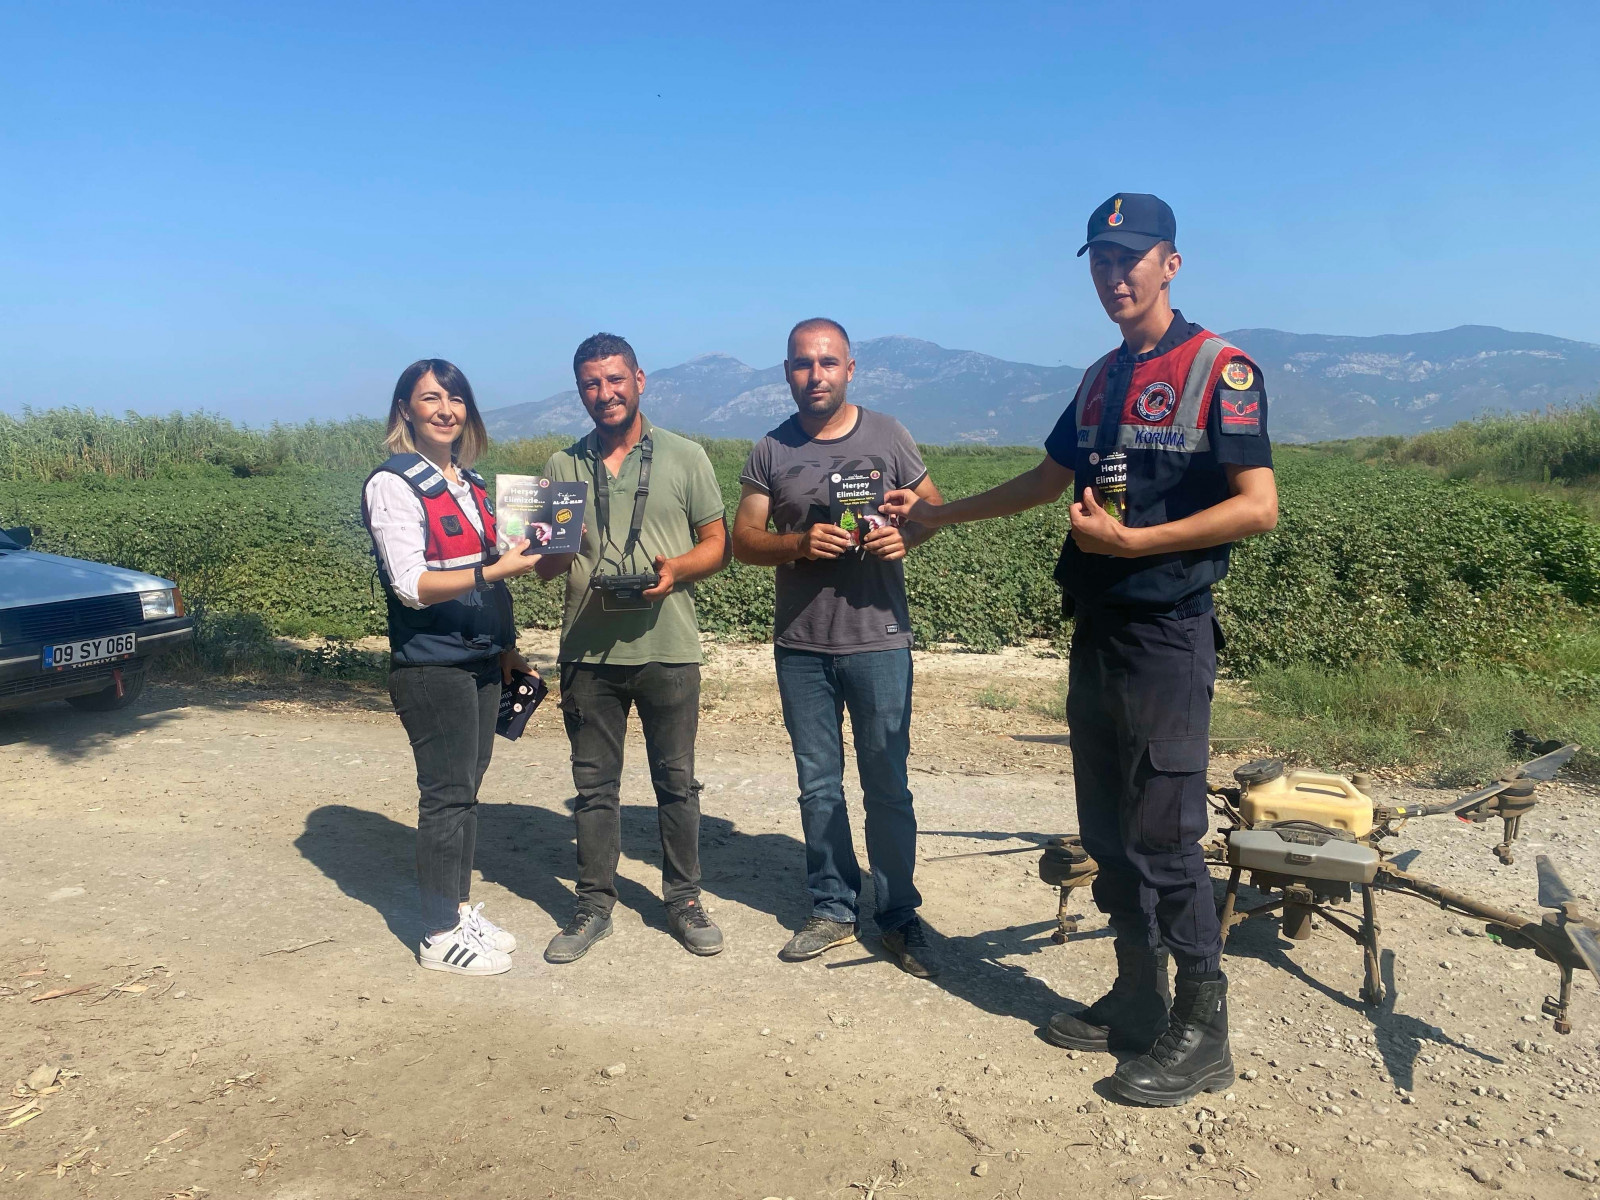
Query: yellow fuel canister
{"type": "Point", "coordinates": [1280, 795]}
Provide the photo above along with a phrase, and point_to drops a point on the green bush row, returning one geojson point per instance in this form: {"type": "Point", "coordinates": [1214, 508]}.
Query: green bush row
{"type": "Point", "coordinates": [1369, 563]}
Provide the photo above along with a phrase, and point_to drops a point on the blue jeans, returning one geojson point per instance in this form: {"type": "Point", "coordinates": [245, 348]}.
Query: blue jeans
{"type": "Point", "coordinates": [876, 687]}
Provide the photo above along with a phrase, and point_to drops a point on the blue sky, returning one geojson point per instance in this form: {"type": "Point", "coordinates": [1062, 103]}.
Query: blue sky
{"type": "Point", "coordinates": [268, 210]}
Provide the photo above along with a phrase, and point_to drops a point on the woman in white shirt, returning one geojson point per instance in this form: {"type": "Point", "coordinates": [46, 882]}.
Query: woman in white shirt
{"type": "Point", "coordinates": [452, 641]}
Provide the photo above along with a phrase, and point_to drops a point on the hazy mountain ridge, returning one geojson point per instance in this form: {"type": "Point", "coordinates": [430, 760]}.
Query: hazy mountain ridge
{"type": "Point", "coordinates": [1326, 386]}
{"type": "Point", "coordinates": [1320, 386]}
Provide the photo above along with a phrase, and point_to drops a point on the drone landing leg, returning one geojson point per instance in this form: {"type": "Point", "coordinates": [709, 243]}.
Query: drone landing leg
{"type": "Point", "coordinates": [1513, 826]}
{"type": "Point", "coordinates": [1556, 1006]}
{"type": "Point", "coordinates": [1064, 923]}
{"type": "Point", "coordinates": [1229, 916]}
{"type": "Point", "coordinates": [1372, 985]}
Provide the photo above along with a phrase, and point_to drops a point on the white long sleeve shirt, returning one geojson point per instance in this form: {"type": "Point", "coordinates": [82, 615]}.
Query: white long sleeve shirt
{"type": "Point", "coordinates": [400, 529]}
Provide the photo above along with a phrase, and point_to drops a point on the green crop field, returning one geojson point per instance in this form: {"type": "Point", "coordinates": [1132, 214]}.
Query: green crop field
{"type": "Point", "coordinates": [1368, 562]}
{"type": "Point", "coordinates": [1374, 567]}
{"type": "Point", "coordinates": [1555, 453]}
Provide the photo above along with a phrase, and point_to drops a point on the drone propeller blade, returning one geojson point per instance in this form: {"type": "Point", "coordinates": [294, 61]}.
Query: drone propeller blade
{"type": "Point", "coordinates": [1587, 944]}
{"type": "Point", "coordinates": [1544, 767]}
{"type": "Point", "coordinates": [1461, 803]}
{"type": "Point", "coordinates": [1553, 890]}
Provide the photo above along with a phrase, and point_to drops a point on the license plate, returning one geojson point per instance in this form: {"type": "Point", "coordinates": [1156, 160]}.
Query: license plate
{"type": "Point", "coordinates": [91, 650]}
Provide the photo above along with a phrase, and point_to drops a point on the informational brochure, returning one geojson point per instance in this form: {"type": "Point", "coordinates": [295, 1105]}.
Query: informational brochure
{"type": "Point", "coordinates": [853, 501]}
{"type": "Point", "coordinates": [1111, 482]}
{"type": "Point", "coordinates": [564, 506]}
{"type": "Point", "coordinates": [549, 513]}
{"type": "Point", "coordinates": [518, 699]}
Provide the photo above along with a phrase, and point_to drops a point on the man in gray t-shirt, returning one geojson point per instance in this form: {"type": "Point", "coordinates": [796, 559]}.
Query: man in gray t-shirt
{"type": "Point", "coordinates": [842, 639]}
{"type": "Point", "coordinates": [856, 601]}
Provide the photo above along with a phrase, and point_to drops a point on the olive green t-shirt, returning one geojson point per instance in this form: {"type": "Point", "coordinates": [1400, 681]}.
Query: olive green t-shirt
{"type": "Point", "coordinates": [683, 496]}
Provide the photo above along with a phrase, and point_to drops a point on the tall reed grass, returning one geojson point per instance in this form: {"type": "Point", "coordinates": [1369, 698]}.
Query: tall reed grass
{"type": "Point", "coordinates": [1558, 446]}
{"type": "Point", "coordinates": [65, 443]}
{"type": "Point", "coordinates": [59, 444]}
{"type": "Point", "coordinates": [1561, 445]}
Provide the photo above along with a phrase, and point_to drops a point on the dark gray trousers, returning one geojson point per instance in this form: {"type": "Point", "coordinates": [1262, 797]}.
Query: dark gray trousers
{"type": "Point", "coordinates": [595, 702]}
{"type": "Point", "coordinates": [449, 714]}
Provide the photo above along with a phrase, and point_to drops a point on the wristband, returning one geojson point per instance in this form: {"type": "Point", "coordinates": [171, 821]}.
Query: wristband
{"type": "Point", "coordinates": [479, 583]}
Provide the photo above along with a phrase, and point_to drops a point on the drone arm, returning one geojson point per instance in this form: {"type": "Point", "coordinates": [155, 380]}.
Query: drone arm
{"type": "Point", "coordinates": [986, 853]}
{"type": "Point", "coordinates": [1459, 804]}
{"type": "Point", "coordinates": [1394, 879]}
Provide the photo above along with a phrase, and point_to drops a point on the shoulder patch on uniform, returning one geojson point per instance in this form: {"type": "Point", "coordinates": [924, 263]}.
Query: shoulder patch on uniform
{"type": "Point", "coordinates": [1241, 413]}
{"type": "Point", "coordinates": [1239, 375]}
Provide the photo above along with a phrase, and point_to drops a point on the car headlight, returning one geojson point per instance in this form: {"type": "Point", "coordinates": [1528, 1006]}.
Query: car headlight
{"type": "Point", "coordinates": [160, 604]}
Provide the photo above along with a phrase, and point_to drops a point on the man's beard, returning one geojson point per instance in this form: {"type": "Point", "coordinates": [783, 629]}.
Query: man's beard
{"type": "Point", "coordinates": [611, 425]}
{"type": "Point", "coordinates": [835, 402]}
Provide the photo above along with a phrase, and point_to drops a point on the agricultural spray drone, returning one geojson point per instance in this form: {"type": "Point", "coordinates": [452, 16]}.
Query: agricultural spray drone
{"type": "Point", "coordinates": [1306, 837]}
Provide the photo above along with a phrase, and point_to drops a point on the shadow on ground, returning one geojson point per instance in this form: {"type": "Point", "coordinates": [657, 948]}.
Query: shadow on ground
{"type": "Point", "coordinates": [530, 851]}
{"type": "Point", "coordinates": [69, 734]}
{"type": "Point", "coordinates": [1399, 1037]}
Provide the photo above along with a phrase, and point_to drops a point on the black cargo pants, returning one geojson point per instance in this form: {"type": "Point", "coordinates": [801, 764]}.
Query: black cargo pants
{"type": "Point", "coordinates": [1139, 707]}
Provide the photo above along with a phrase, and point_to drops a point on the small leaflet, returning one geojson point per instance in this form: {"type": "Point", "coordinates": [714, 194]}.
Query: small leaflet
{"type": "Point", "coordinates": [549, 513]}
{"type": "Point", "coordinates": [853, 501]}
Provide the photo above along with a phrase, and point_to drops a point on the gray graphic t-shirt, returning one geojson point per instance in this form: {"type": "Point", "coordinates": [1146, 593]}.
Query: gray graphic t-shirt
{"type": "Point", "coordinates": [855, 602]}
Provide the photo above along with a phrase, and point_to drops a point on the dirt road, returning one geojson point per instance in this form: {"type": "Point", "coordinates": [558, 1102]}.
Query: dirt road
{"type": "Point", "coordinates": [221, 881]}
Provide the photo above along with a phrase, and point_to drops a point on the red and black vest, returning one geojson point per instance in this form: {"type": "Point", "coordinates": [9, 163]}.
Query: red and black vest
{"type": "Point", "coordinates": [471, 628]}
{"type": "Point", "coordinates": [1146, 422]}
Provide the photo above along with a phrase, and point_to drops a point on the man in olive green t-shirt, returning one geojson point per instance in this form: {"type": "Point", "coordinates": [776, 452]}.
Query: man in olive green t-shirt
{"type": "Point", "coordinates": [621, 650]}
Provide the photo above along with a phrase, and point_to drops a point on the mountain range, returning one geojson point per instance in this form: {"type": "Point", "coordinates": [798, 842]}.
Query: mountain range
{"type": "Point", "coordinates": [1319, 387]}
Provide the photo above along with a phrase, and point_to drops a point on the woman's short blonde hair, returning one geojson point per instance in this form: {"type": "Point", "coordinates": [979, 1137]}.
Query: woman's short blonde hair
{"type": "Point", "coordinates": [474, 439]}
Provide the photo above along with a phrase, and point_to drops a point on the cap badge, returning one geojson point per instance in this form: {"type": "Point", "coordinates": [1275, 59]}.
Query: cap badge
{"type": "Point", "coordinates": [1115, 218]}
{"type": "Point", "coordinates": [1238, 375]}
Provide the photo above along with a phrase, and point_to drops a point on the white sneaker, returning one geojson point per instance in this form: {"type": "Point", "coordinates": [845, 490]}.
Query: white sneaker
{"type": "Point", "coordinates": [462, 952]}
{"type": "Point", "coordinates": [487, 930]}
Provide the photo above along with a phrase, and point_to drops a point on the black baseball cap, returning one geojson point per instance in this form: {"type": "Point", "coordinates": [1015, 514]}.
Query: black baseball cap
{"type": "Point", "coordinates": [1136, 220]}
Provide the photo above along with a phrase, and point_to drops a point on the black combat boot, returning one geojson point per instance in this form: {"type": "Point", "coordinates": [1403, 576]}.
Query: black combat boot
{"type": "Point", "coordinates": [1192, 1056]}
{"type": "Point", "coordinates": [1131, 1016]}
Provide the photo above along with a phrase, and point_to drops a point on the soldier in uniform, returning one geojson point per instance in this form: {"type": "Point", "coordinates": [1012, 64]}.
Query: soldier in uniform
{"type": "Point", "coordinates": [1165, 447]}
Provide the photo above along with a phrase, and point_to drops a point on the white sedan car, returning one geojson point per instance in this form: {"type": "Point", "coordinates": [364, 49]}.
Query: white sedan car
{"type": "Point", "coordinates": [80, 631]}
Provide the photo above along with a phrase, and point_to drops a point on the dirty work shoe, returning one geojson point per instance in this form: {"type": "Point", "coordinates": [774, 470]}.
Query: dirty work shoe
{"type": "Point", "coordinates": [487, 930]}
{"type": "Point", "coordinates": [908, 947]}
{"type": "Point", "coordinates": [585, 929]}
{"type": "Point", "coordinates": [1192, 1056]}
{"type": "Point", "coordinates": [815, 936]}
{"type": "Point", "coordinates": [1131, 1016]}
{"type": "Point", "coordinates": [462, 952]}
{"type": "Point", "coordinates": [691, 926]}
